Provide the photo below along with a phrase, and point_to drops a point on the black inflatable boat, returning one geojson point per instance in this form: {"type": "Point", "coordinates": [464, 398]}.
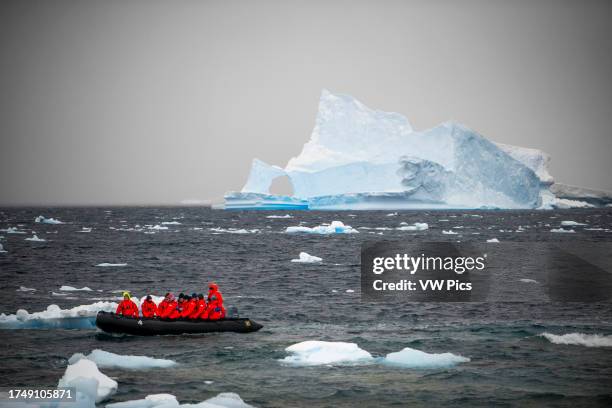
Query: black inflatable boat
{"type": "Point", "coordinates": [147, 326]}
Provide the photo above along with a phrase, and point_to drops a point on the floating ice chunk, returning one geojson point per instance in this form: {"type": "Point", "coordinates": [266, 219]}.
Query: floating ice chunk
{"type": "Point", "coordinates": [25, 289]}
{"type": "Point", "coordinates": [449, 232]}
{"type": "Point", "coordinates": [336, 227]}
{"type": "Point", "coordinates": [350, 291]}
{"type": "Point", "coordinates": [561, 230]}
{"type": "Point", "coordinates": [417, 226]}
{"type": "Point", "coordinates": [525, 280]}
{"type": "Point", "coordinates": [313, 352]}
{"type": "Point", "coordinates": [235, 230]}
{"type": "Point", "coordinates": [55, 317]}
{"type": "Point", "coordinates": [43, 220]}
{"type": "Point", "coordinates": [171, 223]}
{"type": "Point", "coordinates": [307, 258]}
{"type": "Point", "coordinates": [35, 238]}
{"type": "Point", "coordinates": [223, 400]}
{"type": "Point", "coordinates": [13, 230]}
{"type": "Point", "coordinates": [59, 294]}
{"type": "Point", "coordinates": [571, 224]}
{"type": "Point", "coordinates": [107, 264]}
{"type": "Point", "coordinates": [157, 227]}
{"type": "Point", "coordinates": [393, 214]}
{"type": "Point", "coordinates": [73, 289]}
{"type": "Point", "coordinates": [105, 359]}
{"type": "Point", "coordinates": [85, 229]}
{"type": "Point", "coordinates": [280, 216]}
{"type": "Point", "coordinates": [411, 358]}
{"type": "Point", "coordinates": [2, 250]}
{"type": "Point", "coordinates": [579, 339]}
{"type": "Point", "coordinates": [80, 376]}
{"type": "Point", "coordinates": [493, 240]}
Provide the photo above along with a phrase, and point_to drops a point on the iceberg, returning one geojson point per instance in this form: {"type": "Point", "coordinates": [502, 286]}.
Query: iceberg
{"type": "Point", "coordinates": [222, 400]}
{"type": "Point", "coordinates": [579, 339]}
{"type": "Point", "coordinates": [307, 258]}
{"type": "Point", "coordinates": [411, 358]}
{"type": "Point", "coordinates": [417, 226]}
{"type": "Point", "coordinates": [336, 227]}
{"type": "Point", "coordinates": [85, 377]}
{"type": "Point", "coordinates": [43, 220]}
{"type": "Point", "coordinates": [79, 317]}
{"type": "Point", "coordinates": [66, 288]}
{"type": "Point", "coordinates": [35, 238]}
{"type": "Point", "coordinates": [359, 158]}
{"type": "Point", "coordinates": [308, 353]}
{"type": "Point", "coordinates": [2, 250]}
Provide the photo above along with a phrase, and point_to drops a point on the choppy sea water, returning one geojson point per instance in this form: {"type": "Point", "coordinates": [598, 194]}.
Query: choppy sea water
{"type": "Point", "coordinates": [511, 364]}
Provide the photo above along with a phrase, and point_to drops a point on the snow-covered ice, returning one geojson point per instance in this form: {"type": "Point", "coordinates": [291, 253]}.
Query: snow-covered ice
{"type": "Point", "coordinates": [307, 258]}
{"type": "Point", "coordinates": [493, 240]}
{"type": "Point", "coordinates": [336, 227]}
{"type": "Point", "coordinates": [85, 376]}
{"type": "Point", "coordinates": [325, 352]}
{"type": "Point", "coordinates": [579, 339]}
{"type": "Point", "coordinates": [526, 280]}
{"type": "Point", "coordinates": [171, 223]}
{"type": "Point", "coordinates": [222, 400]}
{"type": "Point", "coordinates": [571, 224]}
{"type": "Point", "coordinates": [234, 230]}
{"type": "Point", "coordinates": [280, 216]}
{"type": "Point", "coordinates": [35, 238]}
{"type": "Point", "coordinates": [43, 220]}
{"type": "Point", "coordinates": [105, 359]}
{"type": "Point", "coordinates": [13, 230]}
{"type": "Point", "coordinates": [417, 226]}
{"type": "Point", "coordinates": [562, 230]}
{"type": "Point", "coordinates": [2, 250]}
{"type": "Point", "coordinates": [67, 288]}
{"type": "Point", "coordinates": [411, 358]}
{"type": "Point", "coordinates": [449, 232]}
{"type": "Point", "coordinates": [55, 317]}
{"type": "Point", "coordinates": [25, 289]}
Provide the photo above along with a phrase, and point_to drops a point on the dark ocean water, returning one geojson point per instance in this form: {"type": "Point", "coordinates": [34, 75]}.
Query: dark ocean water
{"type": "Point", "coordinates": [511, 365]}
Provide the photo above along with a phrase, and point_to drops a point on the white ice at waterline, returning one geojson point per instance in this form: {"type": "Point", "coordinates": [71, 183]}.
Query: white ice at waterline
{"type": "Point", "coordinates": [55, 312]}
{"type": "Point", "coordinates": [579, 339]}
{"type": "Point", "coordinates": [35, 238]}
{"type": "Point", "coordinates": [108, 265]}
{"type": "Point", "coordinates": [561, 230]}
{"type": "Point", "coordinates": [571, 224]}
{"type": "Point", "coordinates": [2, 250]}
{"type": "Point", "coordinates": [25, 289]}
{"type": "Point", "coordinates": [222, 400]}
{"type": "Point", "coordinates": [73, 289]}
{"type": "Point", "coordinates": [43, 220]}
{"type": "Point", "coordinates": [234, 230]}
{"type": "Point", "coordinates": [493, 240]}
{"type": "Point", "coordinates": [417, 226]}
{"type": "Point", "coordinates": [105, 359]}
{"type": "Point", "coordinates": [411, 358]}
{"type": "Point", "coordinates": [88, 381]}
{"type": "Point", "coordinates": [336, 227]}
{"type": "Point", "coordinates": [525, 280]}
{"type": "Point", "coordinates": [449, 232]}
{"type": "Point", "coordinates": [279, 216]}
{"type": "Point", "coordinates": [307, 258]}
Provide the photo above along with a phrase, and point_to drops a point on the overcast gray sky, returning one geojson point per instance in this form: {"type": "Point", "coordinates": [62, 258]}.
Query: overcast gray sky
{"type": "Point", "coordinates": [129, 102]}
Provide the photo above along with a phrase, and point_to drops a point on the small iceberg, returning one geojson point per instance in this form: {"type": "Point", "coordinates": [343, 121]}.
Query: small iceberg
{"type": "Point", "coordinates": [493, 240]}
{"type": "Point", "coordinates": [336, 227]}
{"type": "Point", "coordinates": [2, 250]}
{"type": "Point", "coordinates": [157, 227]}
{"type": "Point", "coordinates": [88, 381]}
{"type": "Point", "coordinates": [307, 258]}
{"type": "Point", "coordinates": [79, 317]}
{"type": "Point", "coordinates": [579, 339]}
{"type": "Point", "coordinates": [449, 232]}
{"type": "Point", "coordinates": [85, 229]}
{"type": "Point", "coordinates": [525, 280]}
{"type": "Point", "coordinates": [107, 264]}
{"type": "Point", "coordinates": [417, 226]}
{"type": "Point", "coordinates": [393, 214]}
{"type": "Point", "coordinates": [222, 400]}
{"type": "Point", "coordinates": [309, 353]}
{"type": "Point", "coordinates": [571, 224]}
{"type": "Point", "coordinates": [105, 359]}
{"type": "Point", "coordinates": [73, 289]}
{"type": "Point", "coordinates": [171, 223]}
{"type": "Point", "coordinates": [42, 220]}
{"type": "Point", "coordinates": [235, 230]}
{"type": "Point", "coordinates": [279, 216]}
{"type": "Point", "coordinates": [35, 238]}
{"type": "Point", "coordinates": [25, 289]}
{"type": "Point", "coordinates": [411, 358]}
{"type": "Point", "coordinates": [561, 230]}
{"type": "Point", "coordinates": [13, 230]}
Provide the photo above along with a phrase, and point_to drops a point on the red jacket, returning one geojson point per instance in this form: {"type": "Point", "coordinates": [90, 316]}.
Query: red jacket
{"type": "Point", "coordinates": [127, 308]}
{"type": "Point", "coordinates": [170, 310]}
{"type": "Point", "coordinates": [199, 309]}
{"type": "Point", "coordinates": [215, 309]}
{"type": "Point", "coordinates": [161, 308]}
{"type": "Point", "coordinates": [188, 308]}
{"type": "Point", "coordinates": [149, 309]}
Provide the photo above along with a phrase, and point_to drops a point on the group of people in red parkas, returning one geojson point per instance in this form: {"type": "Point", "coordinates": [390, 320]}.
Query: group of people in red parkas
{"type": "Point", "coordinates": [193, 307]}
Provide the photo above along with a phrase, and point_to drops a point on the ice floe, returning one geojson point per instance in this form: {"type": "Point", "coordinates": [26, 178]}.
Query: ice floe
{"type": "Point", "coordinates": [235, 230]}
{"type": "Point", "coordinates": [449, 232]}
{"type": "Point", "coordinates": [307, 258]}
{"type": "Point", "coordinates": [88, 381]}
{"type": "Point", "coordinates": [54, 317]}
{"type": "Point", "coordinates": [108, 265]}
{"type": "Point", "coordinates": [66, 288]}
{"type": "Point", "coordinates": [2, 250]}
{"type": "Point", "coordinates": [171, 223]}
{"type": "Point", "coordinates": [561, 230]}
{"type": "Point", "coordinates": [525, 280]}
{"type": "Point", "coordinates": [314, 352]}
{"type": "Point", "coordinates": [411, 358]}
{"type": "Point", "coordinates": [280, 216]}
{"type": "Point", "coordinates": [12, 230]}
{"type": "Point", "coordinates": [571, 224]}
{"type": "Point", "coordinates": [493, 240]}
{"type": "Point", "coordinates": [35, 238]}
{"type": "Point", "coordinates": [222, 400]}
{"type": "Point", "coordinates": [105, 359]}
{"type": "Point", "coordinates": [25, 289]}
{"type": "Point", "coordinates": [417, 226]}
{"type": "Point", "coordinates": [42, 220]}
{"type": "Point", "coordinates": [336, 227]}
{"type": "Point", "coordinates": [85, 229]}
{"type": "Point", "coordinates": [157, 227]}
{"type": "Point", "coordinates": [579, 339]}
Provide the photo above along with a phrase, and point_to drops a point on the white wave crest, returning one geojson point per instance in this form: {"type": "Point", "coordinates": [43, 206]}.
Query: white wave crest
{"type": "Point", "coordinates": [579, 339]}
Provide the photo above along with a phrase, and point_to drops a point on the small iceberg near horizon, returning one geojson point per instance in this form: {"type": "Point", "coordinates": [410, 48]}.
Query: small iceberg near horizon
{"type": "Point", "coordinates": [336, 227]}
{"type": "Point", "coordinates": [305, 257]}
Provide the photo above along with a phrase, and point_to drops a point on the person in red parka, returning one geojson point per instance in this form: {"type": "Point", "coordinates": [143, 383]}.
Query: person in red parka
{"type": "Point", "coordinates": [127, 307]}
{"type": "Point", "coordinates": [189, 306]}
{"type": "Point", "coordinates": [149, 308]}
{"type": "Point", "coordinates": [161, 308]}
{"type": "Point", "coordinates": [215, 310]}
{"type": "Point", "coordinates": [200, 307]}
{"type": "Point", "coordinates": [171, 308]}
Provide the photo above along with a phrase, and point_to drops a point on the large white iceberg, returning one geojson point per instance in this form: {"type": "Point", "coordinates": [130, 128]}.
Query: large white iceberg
{"type": "Point", "coordinates": [359, 158]}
